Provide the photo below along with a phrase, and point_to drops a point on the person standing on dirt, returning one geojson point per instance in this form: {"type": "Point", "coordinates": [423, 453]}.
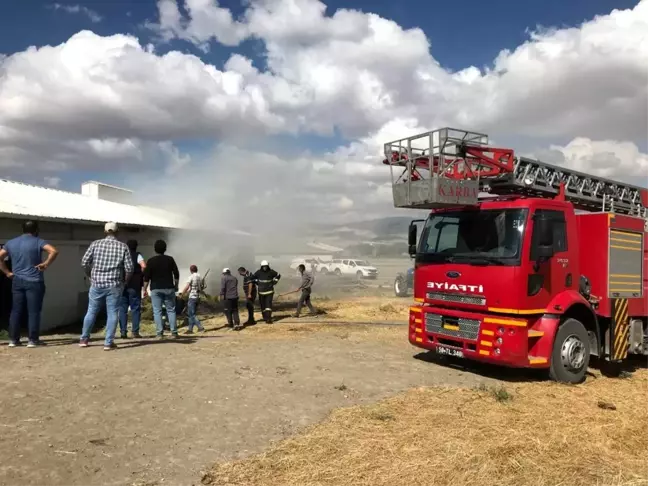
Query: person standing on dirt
{"type": "Point", "coordinates": [229, 296]}
{"type": "Point", "coordinates": [132, 296]}
{"type": "Point", "coordinates": [27, 282]}
{"type": "Point", "coordinates": [266, 278]}
{"type": "Point", "coordinates": [194, 287]}
{"type": "Point", "coordinates": [162, 275]}
{"type": "Point", "coordinates": [306, 287]}
{"type": "Point", "coordinates": [249, 288]}
{"type": "Point", "coordinates": [109, 264]}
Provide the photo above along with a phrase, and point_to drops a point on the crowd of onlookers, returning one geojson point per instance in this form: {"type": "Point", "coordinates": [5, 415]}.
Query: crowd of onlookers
{"type": "Point", "coordinates": [120, 278]}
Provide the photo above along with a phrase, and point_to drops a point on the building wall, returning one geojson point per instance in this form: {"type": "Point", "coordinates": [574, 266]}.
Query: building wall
{"type": "Point", "coordinates": [66, 296]}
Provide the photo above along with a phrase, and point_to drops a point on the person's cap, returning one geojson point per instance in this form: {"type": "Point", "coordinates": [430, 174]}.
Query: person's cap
{"type": "Point", "coordinates": [225, 270]}
{"type": "Point", "coordinates": [264, 263]}
{"type": "Point", "coordinates": [110, 227]}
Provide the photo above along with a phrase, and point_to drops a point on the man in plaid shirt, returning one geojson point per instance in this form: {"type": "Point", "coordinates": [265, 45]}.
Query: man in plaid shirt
{"type": "Point", "coordinates": [110, 266]}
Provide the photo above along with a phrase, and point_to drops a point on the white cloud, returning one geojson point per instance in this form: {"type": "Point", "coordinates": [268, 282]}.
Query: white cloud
{"type": "Point", "coordinates": [352, 71]}
{"type": "Point", "coordinates": [209, 20]}
{"type": "Point", "coordinates": [112, 87]}
{"type": "Point", "coordinates": [604, 158]}
{"type": "Point", "coordinates": [79, 9]}
{"type": "Point", "coordinates": [358, 71]}
{"type": "Point", "coordinates": [96, 102]}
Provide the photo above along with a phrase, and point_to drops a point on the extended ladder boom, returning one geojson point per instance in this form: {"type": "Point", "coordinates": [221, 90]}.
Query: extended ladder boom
{"type": "Point", "coordinates": [587, 192]}
{"type": "Point", "coordinates": [448, 166]}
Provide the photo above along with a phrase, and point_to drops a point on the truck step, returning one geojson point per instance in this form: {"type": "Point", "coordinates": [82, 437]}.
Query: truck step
{"type": "Point", "coordinates": [535, 334]}
{"type": "Point", "coordinates": [537, 360]}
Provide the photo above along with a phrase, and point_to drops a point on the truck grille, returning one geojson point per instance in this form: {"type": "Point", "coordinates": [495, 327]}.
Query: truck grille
{"type": "Point", "coordinates": [468, 328]}
{"type": "Point", "coordinates": [458, 298]}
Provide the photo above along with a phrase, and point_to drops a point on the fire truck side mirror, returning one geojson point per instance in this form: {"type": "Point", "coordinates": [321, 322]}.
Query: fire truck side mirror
{"type": "Point", "coordinates": [411, 239]}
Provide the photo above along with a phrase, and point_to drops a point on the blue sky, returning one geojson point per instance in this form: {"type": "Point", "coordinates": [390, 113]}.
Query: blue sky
{"type": "Point", "coordinates": [461, 33]}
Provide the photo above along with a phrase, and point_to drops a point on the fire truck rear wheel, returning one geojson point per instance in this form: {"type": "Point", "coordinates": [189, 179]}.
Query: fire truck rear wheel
{"type": "Point", "coordinates": [571, 353]}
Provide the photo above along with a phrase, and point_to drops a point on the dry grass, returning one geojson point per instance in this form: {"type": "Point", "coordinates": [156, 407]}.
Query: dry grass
{"type": "Point", "coordinates": [542, 434]}
{"type": "Point", "coordinates": [356, 333]}
{"type": "Point", "coordinates": [367, 309]}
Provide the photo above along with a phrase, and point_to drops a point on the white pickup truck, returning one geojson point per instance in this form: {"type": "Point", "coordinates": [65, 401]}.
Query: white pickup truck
{"type": "Point", "coordinates": [359, 268]}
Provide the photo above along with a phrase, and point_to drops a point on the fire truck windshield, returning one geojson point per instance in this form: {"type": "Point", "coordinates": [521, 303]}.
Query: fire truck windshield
{"type": "Point", "coordinates": [481, 237]}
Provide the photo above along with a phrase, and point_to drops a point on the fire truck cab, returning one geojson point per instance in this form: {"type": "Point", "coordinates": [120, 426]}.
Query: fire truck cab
{"type": "Point", "coordinates": [521, 263]}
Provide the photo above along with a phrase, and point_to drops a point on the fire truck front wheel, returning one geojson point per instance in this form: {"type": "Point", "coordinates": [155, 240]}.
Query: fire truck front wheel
{"type": "Point", "coordinates": [571, 353]}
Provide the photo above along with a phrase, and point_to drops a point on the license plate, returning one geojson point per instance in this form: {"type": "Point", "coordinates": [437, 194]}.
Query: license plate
{"type": "Point", "coordinates": [449, 352]}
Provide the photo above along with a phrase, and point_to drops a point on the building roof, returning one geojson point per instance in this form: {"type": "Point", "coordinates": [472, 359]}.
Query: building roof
{"type": "Point", "coordinates": [24, 200]}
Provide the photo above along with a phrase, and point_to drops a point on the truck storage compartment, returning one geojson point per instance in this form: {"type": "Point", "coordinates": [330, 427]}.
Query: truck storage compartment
{"type": "Point", "coordinates": [625, 264]}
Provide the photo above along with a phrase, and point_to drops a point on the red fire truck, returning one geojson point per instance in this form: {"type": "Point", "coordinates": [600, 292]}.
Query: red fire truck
{"type": "Point", "coordinates": [521, 263]}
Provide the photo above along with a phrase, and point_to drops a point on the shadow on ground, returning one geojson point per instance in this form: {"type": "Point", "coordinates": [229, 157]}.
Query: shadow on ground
{"type": "Point", "coordinates": [512, 375]}
{"type": "Point", "coordinates": [515, 375]}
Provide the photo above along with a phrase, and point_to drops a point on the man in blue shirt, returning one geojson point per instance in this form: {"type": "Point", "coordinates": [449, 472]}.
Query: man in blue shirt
{"type": "Point", "coordinates": [28, 284]}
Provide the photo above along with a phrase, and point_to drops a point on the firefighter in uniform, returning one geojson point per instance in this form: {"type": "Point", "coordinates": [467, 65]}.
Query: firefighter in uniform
{"type": "Point", "coordinates": [266, 278]}
{"type": "Point", "coordinates": [249, 287]}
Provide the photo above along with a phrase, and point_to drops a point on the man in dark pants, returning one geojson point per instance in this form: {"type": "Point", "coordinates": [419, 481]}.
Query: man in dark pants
{"type": "Point", "coordinates": [306, 286]}
{"type": "Point", "coordinates": [249, 288]}
{"type": "Point", "coordinates": [229, 296]}
{"type": "Point", "coordinates": [28, 284]}
{"type": "Point", "coordinates": [132, 296]}
{"type": "Point", "coordinates": [266, 279]}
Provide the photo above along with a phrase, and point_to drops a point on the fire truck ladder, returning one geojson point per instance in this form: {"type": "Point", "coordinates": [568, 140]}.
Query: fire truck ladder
{"type": "Point", "coordinates": [586, 192]}
{"type": "Point", "coordinates": [449, 166]}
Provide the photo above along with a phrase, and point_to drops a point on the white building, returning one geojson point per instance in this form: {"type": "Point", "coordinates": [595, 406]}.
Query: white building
{"type": "Point", "coordinates": [71, 221]}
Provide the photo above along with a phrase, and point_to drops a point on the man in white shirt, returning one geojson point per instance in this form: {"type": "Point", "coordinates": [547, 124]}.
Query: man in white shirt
{"type": "Point", "coordinates": [194, 287]}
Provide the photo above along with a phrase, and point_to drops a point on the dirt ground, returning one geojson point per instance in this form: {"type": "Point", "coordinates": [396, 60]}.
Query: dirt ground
{"type": "Point", "coordinates": [160, 412]}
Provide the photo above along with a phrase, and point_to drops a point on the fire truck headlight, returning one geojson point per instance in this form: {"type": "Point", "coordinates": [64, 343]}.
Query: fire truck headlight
{"type": "Point", "coordinates": [499, 340]}
{"type": "Point", "coordinates": [497, 351]}
{"type": "Point", "coordinates": [500, 331]}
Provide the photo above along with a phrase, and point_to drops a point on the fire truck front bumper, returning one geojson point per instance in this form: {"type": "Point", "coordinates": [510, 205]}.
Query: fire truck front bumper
{"type": "Point", "coordinates": [480, 337]}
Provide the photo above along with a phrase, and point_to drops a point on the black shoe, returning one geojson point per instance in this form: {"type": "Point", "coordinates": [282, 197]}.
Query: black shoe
{"type": "Point", "coordinates": [237, 328]}
{"type": "Point", "coordinates": [124, 336]}
{"type": "Point", "coordinates": [137, 336]}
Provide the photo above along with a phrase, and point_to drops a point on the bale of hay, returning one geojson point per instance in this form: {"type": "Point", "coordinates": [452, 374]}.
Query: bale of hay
{"type": "Point", "coordinates": [542, 434]}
